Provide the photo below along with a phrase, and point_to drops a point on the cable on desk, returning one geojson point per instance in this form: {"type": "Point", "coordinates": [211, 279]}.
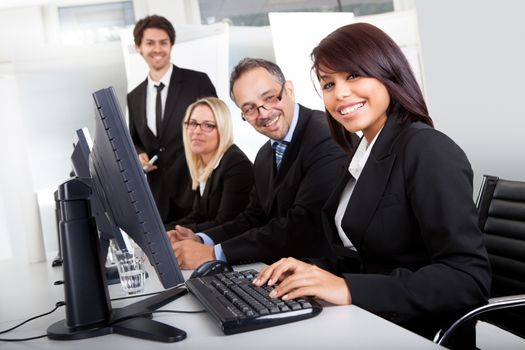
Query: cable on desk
{"type": "Point", "coordinates": [25, 339]}
{"type": "Point", "coordinates": [147, 294]}
{"type": "Point", "coordinates": [57, 305]}
{"type": "Point", "coordinates": [62, 303]}
{"type": "Point", "coordinates": [149, 312]}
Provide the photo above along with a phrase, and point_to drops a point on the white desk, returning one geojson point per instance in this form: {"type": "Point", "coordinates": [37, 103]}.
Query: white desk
{"type": "Point", "coordinates": [28, 290]}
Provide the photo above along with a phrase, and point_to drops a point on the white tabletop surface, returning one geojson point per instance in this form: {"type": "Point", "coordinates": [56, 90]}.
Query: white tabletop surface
{"type": "Point", "coordinates": [28, 290]}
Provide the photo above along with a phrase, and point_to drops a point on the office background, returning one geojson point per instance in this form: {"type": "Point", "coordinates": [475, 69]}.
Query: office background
{"type": "Point", "coordinates": [471, 55]}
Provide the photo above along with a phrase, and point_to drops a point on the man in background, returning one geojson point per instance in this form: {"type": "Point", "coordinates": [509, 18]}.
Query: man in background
{"type": "Point", "coordinates": [295, 172]}
{"type": "Point", "coordinates": [156, 110]}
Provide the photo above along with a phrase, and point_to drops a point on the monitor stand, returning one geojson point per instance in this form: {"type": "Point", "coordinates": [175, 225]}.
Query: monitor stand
{"type": "Point", "coordinates": [57, 261]}
{"type": "Point", "coordinates": [88, 306]}
{"type": "Point", "coordinates": [124, 321]}
{"type": "Point", "coordinates": [112, 275]}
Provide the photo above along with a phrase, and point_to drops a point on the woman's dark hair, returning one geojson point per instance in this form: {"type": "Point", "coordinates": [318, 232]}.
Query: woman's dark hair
{"type": "Point", "coordinates": [367, 51]}
{"type": "Point", "coordinates": [153, 21]}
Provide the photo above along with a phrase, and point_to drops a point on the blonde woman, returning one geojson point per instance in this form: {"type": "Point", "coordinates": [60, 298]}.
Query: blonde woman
{"type": "Point", "coordinates": [221, 174]}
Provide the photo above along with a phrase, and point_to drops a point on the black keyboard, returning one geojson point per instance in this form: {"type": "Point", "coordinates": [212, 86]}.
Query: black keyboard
{"type": "Point", "coordinates": [238, 306]}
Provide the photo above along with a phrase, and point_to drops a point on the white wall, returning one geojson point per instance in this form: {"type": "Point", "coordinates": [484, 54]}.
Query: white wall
{"type": "Point", "coordinates": [473, 58]}
{"type": "Point", "coordinates": [20, 233]}
{"type": "Point", "coordinates": [15, 31]}
{"type": "Point", "coordinates": [55, 86]}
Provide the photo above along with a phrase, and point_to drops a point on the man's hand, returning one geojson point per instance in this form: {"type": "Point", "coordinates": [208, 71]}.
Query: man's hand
{"type": "Point", "coordinates": [191, 254]}
{"type": "Point", "coordinates": [144, 161]}
{"type": "Point", "coordinates": [182, 233]}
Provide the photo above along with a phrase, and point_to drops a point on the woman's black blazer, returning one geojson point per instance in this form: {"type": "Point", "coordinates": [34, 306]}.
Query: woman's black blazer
{"type": "Point", "coordinates": [226, 193]}
{"type": "Point", "coordinates": [412, 219]}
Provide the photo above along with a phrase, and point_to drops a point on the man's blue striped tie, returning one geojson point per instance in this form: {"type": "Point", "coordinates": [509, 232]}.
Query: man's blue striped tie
{"type": "Point", "coordinates": [280, 148]}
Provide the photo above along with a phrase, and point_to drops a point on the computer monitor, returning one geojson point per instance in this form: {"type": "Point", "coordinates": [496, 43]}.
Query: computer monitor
{"type": "Point", "coordinates": [81, 151]}
{"type": "Point", "coordinates": [119, 183]}
{"type": "Point", "coordinates": [80, 162]}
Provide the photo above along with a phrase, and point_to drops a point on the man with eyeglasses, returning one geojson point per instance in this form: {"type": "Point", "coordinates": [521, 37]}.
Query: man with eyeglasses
{"type": "Point", "coordinates": [156, 109]}
{"type": "Point", "coordinates": [295, 172]}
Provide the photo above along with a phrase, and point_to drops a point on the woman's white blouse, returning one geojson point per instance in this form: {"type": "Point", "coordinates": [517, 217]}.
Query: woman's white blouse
{"type": "Point", "coordinates": [356, 166]}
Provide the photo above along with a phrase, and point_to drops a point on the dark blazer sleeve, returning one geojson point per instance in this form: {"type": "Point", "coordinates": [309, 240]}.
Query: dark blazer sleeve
{"type": "Point", "coordinates": [206, 87]}
{"type": "Point", "coordinates": [436, 183]}
{"type": "Point", "coordinates": [231, 185]}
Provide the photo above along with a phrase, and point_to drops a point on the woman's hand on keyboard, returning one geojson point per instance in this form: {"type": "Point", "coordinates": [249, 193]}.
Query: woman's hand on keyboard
{"type": "Point", "coordinates": [299, 279]}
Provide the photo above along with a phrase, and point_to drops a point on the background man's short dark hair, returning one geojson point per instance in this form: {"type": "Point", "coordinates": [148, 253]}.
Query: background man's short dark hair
{"type": "Point", "coordinates": [153, 21]}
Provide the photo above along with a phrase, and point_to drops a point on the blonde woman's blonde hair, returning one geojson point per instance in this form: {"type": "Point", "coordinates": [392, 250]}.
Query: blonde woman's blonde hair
{"type": "Point", "coordinates": [198, 171]}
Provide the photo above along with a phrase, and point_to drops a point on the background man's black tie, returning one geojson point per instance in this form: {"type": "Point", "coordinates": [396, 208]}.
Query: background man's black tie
{"type": "Point", "coordinates": [158, 108]}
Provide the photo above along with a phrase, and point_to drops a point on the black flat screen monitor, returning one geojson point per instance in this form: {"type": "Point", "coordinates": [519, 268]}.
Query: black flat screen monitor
{"type": "Point", "coordinates": [122, 188]}
{"type": "Point", "coordinates": [107, 231]}
{"type": "Point", "coordinates": [118, 182]}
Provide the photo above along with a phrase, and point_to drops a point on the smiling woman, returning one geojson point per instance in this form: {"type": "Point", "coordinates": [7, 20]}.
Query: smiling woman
{"type": "Point", "coordinates": [401, 220]}
{"type": "Point", "coordinates": [357, 103]}
{"type": "Point", "coordinates": [221, 174]}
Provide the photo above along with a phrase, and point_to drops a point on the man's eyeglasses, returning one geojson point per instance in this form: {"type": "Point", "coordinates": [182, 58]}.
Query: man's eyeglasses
{"type": "Point", "coordinates": [205, 126]}
{"type": "Point", "coordinates": [250, 112]}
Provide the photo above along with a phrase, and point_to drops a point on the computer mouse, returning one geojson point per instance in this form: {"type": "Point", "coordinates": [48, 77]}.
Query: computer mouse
{"type": "Point", "coordinates": [210, 268]}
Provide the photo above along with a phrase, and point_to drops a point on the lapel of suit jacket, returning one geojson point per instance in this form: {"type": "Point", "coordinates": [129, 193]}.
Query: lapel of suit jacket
{"type": "Point", "coordinates": [141, 111]}
{"type": "Point", "coordinates": [206, 193]}
{"type": "Point", "coordinates": [371, 184]}
{"type": "Point", "coordinates": [265, 176]}
{"type": "Point", "coordinates": [292, 150]}
{"type": "Point", "coordinates": [176, 85]}
{"type": "Point", "coordinates": [213, 181]}
{"type": "Point", "coordinates": [330, 207]}
{"type": "Point", "coordinates": [275, 177]}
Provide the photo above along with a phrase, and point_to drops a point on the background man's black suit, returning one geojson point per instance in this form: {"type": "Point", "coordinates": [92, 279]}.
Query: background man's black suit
{"type": "Point", "coordinates": [170, 183]}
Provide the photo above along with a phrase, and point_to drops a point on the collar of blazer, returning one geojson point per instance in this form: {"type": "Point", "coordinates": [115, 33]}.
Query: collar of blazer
{"type": "Point", "coordinates": [141, 119]}
{"type": "Point", "coordinates": [213, 182]}
{"type": "Point", "coordinates": [295, 145]}
{"type": "Point", "coordinates": [270, 173]}
{"type": "Point", "coordinates": [176, 84]}
{"type": "Point", "coordinates": [372, 183]}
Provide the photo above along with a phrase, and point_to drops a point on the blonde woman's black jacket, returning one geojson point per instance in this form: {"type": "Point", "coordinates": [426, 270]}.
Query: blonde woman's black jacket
{"type": "Point", "coordinates": [226, 194]}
